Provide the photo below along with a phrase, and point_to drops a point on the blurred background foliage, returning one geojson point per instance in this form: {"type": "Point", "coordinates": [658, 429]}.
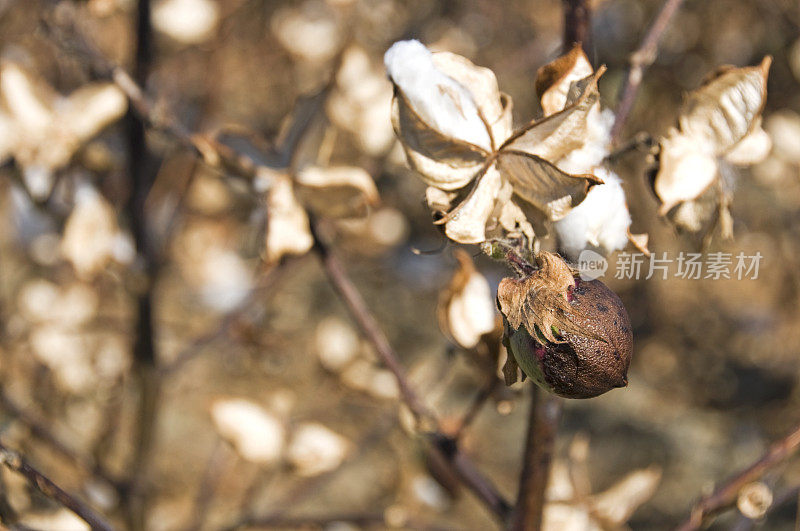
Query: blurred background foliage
{"type": "Point", "coordinates": [714, 375]}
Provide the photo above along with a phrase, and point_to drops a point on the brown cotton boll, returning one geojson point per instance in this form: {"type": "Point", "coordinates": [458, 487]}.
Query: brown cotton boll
{"type": "Point", "coordinates": [589, 357]}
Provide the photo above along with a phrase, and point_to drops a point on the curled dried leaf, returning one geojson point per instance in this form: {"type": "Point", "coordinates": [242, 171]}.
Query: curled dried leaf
{"type": "Point", "coordinates": [288, 229]}
{"type": "Point", "coordinates": [465, 308]}
{"type": "Point", "coordinates": [553, 80]}
{"type": "Point", "coordinates": [542, 184]}
{"type": "Point", "coordinates": [337, 191]}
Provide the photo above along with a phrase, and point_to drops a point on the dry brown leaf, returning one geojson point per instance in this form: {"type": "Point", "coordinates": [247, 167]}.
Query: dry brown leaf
{"type": "Point", "coordinates": [553, 80]}
{"type": "Point", "coordinates": [725, 109]}
{"type": "Point", "coordinates": [288, 229]}
{"type": "Point", "coordinates": [556, 135]}
{"type": "Point", "coordinates": [466, 309]}
{"type": "Point", "coordinates": [336, 191]}
{"type": "Point", "coordinates": [467, 222]}
{"type": "Point", "coordinates": [617, 504]}
{"type": "Point", "coordinates": [539, 302]}
{"type": "Point", "coordinates": [542, 184]}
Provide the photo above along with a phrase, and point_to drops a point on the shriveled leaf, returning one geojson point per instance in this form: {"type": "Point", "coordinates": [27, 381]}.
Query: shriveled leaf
{"type": "Point", "coordinates": [439, 201]}
{"type": "Point", "coordinates": [752, 149]}
{"type": "Point", "coordinates": [639, 242]}
{"type": "Point", "coordinates": [556, 135]}
{"type": "Point", "coordinates": [542, 184]}
{"type": "Point", "coordinates": [698, 215]}
{"type": "Point", "coordinates": [513, 220]}
{"type": "Point", "coordinates": [442, 102]}
{"type": "Point", "coordinates": [288, 230]}
{"type": "Point", "coordinates": [617, 504]}
{"type": "Point", "coordinates": [337, 191]}
{"type": "Point", "coordinates": [466, 308]}
{"type": "Point", "coordinates": [724, 110]}
{"type": "Point", "coordinates": [441, 161]}
{"type": "Point", "coordinates": [493, 106]}
{"type": "Point", "coordinates": [687, 167]}
{"type": "Point", "coordinates": [467, 222]}
{"type": "Point", "coordinates": [539, 302]}
{"type": "Point", "coordinates": [553, 79]}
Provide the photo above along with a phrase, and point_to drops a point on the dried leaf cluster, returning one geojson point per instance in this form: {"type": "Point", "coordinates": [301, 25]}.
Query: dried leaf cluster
{"type": "Point", "coordinates": [719, 127]}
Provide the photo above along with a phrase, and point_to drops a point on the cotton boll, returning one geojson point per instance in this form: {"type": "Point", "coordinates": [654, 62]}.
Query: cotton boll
{"type": "Point", "coordinates": [315, 449]}
{"type": "Point", "coordinates": [595, 146]}
{"type": "Point", "coordinates": [257, 434]}
{"type": "Point", "coordinates": [600, 221]}
{"type": "Point", "coordinates": [441, 101]}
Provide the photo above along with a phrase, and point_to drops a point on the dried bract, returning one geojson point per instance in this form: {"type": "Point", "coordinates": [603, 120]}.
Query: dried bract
{"type": "Point", "coordinates": [719, 126]}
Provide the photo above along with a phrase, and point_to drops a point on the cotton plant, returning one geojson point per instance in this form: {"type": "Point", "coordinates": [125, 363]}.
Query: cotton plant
{"type": "Point", "coordinates": [487, 180]}
{"type": "Point", "coordinates": [41, 129]}
{"type": "Point", "coordinates": [719, 129]}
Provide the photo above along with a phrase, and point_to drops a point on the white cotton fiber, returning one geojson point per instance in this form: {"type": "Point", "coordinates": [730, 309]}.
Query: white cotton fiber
{"type": "Point", "coordinates": [595, 145]}
{"type": "Point", "coordinates": [600, 221]}
{"type": "Point", "coordinates": [440, 100]}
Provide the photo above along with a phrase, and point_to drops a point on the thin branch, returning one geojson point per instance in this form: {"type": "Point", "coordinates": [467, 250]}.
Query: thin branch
{"type": "Point", "coordinates": [46, 486]}
{"type": "Point", "coordinates": [725, 496]}
{"type": "Point", "coordinates": [577, 23]}
{"type": "Point", "coordinates": [545, 412]}
{"type": "Point", "coordinates": [643, 57]}
{"type": "Point", "coordinates": [39, 429]}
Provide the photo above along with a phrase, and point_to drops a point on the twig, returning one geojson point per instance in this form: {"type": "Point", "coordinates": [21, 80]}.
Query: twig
{"type": "Point", "coordinates": [545, 412]}
{"type": "Point", "coordinates": [46, 486]}
{"type": "Point", "coordinates": [145, 357]}
{"type": "Point", "coordinates": [725, 495]}
{"type": "Point", "coordinates": [40, 430]}
{"type": "Point", "coordinates": [577, 23]}
{"type": "Point", "coordinates": [643, 57]}
{"type": "Point", "coordinates": [369, 327]}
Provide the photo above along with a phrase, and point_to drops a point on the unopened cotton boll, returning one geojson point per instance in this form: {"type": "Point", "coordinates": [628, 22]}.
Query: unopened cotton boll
{"type": "Point", "coordinates": [439, 100]}
{"type": "Point", "coordinates": [601, 220]}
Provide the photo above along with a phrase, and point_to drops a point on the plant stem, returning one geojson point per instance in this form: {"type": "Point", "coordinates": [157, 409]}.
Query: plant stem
{"type": "Point", "coordinates": [643, 57]}
{"type": "Point", "coordinates": [726, 494]}
{"type": "Point", "coordinates": [46, 486]}
{"type": "Point", "coordinates": [577, 24]}
{"type": "Point", "coordinates": [543, 419]}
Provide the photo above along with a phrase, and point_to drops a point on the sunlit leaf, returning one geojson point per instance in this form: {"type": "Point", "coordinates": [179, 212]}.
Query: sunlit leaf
{"type": "Point", "coordinates": [556, 135]}
{"type": "Point", "coordinates": [542, 184]}
{"type": "Point", "coordinates": [553, 80]}
{"type": "Point", "coordinates": [724, 110]}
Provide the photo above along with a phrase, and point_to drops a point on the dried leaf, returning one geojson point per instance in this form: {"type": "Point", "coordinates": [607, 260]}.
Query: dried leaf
{"type": "Point", "coordinates": [725, 109]}
{"type": "Point", "coordinates": [466, 308]}
{"type": "Point", "coordinates": [542, 184]}
{"type": "Point", "coordinates": [752, 149]}
{"type": "Point", "coordinates": [553, 80]}
{"type": "Point", "coordinates": [467, 222]}
{"type": "Point", "coordinates": [556, 135]}
{"type": "Point", "coordinates": [617, 504]}
{"type": "Point", "coordinates": [288, 230]}
{"type": "Point", "coordinates": [441, 161]}
{"type": "Point", "coordinates": [539, 302]}
{"type": "Point", "coordinates": [337, 191]}
{"type": "Point", "coordinates": [639, 242]}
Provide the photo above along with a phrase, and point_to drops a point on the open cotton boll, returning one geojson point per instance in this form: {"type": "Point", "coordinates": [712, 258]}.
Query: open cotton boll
{"type": "Point", "coordinates": [257, 434]}
{"type": "Point", "coordinates": [599, 221]}
{"type": "Point", "coordinates": [595, 145]}
{"type": "Point", "coordinates": [440, 100]}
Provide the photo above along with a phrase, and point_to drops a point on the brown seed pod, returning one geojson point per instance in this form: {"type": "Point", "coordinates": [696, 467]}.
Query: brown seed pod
{"type": "Point", "coordinates": [586, 351]}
